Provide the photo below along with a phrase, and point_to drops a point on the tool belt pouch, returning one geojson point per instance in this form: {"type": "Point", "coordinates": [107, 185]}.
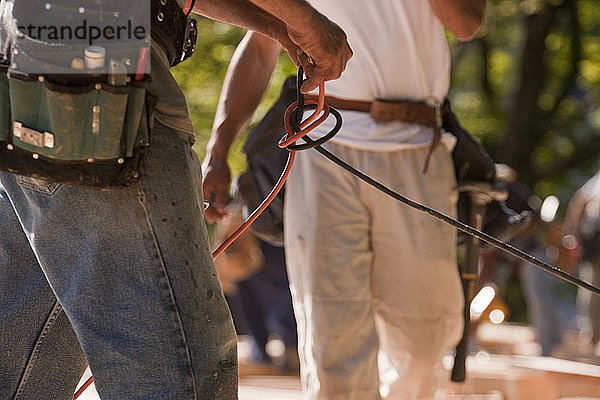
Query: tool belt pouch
{"type": "Point", "coordinates": [89, 135]}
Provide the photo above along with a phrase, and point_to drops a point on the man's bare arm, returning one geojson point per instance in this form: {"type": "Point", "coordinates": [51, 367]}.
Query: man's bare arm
{"type": "Point", "coordinates": [309, 37]}
{"type": "Point", "coordinates": [464, 18]}
{"type": "Point", "coordinates": [244, 86]}
{"type": "Point", "coordinates": [244, 14]}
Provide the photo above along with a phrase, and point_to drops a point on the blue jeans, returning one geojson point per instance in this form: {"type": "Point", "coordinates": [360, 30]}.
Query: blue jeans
{"type": "Point", "coordinates": [124, 274]}
{"type": "Point", "coordinates": [547, 305]}
{"type": "Point", "coordinates": [267, 302]}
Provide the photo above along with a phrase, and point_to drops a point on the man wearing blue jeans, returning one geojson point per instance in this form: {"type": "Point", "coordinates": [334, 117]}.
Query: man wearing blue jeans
{"type": "Point", "coordinates": [123, 279]}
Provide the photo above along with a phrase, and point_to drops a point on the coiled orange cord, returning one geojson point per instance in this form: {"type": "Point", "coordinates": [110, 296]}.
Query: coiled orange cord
{"type": "Point", "coordinates": [290, 137]}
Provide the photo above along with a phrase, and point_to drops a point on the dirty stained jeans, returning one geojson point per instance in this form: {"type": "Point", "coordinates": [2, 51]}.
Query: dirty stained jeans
{"type": "Point", "coordinates": [124, 274]}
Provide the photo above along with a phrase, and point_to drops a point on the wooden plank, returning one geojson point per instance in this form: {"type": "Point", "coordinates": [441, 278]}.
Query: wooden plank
{"type": "Point", "coordinates": [556, 365]}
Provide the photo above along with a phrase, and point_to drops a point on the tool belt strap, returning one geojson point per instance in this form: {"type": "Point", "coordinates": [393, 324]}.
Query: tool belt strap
{"type": "Point", "coordinates": [415, 112]}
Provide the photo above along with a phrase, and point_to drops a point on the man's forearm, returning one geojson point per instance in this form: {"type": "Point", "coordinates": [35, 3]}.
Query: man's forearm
{"type": "Point", "coordinates": [269, 17]}
{"type": "Point", "coordinates": [463, 18]}
{"type": "Point", "coordinates": [244, 86]}
{"type": "Point", "coordinates": [245, 83]}
{"type": "Point", "coordinates": [240, 13]}
{"type": "Point", "coordinates": [294, 13]}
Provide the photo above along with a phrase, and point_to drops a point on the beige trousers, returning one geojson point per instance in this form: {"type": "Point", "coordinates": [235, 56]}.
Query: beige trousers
{"type": "Point", "coordinates": [370, 275]}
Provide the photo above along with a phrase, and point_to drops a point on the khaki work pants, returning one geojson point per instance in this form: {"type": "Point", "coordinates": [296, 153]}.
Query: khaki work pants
{"type": "Point", "coordinates": [370, 275]}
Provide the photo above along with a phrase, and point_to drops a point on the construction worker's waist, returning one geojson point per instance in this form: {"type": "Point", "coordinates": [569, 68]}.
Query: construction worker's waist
{"type": "Point", "coordinates": [418, 112]}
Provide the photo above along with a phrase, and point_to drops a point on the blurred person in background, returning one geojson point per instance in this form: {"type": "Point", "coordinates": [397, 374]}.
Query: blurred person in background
{"type": "Point", "coordinates": [253, 276]}
{"type": "Point", "coordinates": [583, 220]}
{"type": "Point", "coordinates": [550, 303]}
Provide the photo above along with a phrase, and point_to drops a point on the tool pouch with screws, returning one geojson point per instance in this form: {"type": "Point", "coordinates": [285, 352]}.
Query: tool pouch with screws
{"type": "Point", "coordinates": [90, 135]}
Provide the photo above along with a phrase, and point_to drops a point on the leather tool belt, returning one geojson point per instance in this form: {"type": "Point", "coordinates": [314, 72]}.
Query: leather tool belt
{"type": "Point", "coordinates": [87, 128]}
{"type": "Point", "coordinates": [91, 135]}
{"type": "Point", "coordinates": [415, 112]}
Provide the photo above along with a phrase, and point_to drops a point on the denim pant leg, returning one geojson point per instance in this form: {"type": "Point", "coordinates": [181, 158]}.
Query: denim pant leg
{"type": "Point", "coordinates": [543, 305]}
{"type": "Point", "coordinates": [132, 269]}
{"type": "Point", "coordinates": [37, 339]}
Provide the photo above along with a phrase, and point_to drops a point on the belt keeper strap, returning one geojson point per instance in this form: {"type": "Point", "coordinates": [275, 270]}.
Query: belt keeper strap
{"type": "Point", "coordinates": [437, 129]}
{"type": "Point", "coordinates": [407, 111]}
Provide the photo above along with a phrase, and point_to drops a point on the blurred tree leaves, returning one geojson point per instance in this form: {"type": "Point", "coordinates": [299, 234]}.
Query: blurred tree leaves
{"type": "Point", "coordinates": [528, 87]}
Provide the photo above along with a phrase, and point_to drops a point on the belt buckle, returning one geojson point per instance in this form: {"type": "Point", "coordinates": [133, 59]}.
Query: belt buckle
{"type": "Point", "coordinates": [33, 137]}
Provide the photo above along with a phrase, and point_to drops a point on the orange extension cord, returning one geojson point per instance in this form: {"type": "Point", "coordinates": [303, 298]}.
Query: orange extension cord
{"type": "Point", "coordinates": [290, 138]}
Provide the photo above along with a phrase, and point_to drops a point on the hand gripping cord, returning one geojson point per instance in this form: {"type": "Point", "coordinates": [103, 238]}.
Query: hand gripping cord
{"type": "Point", "coordinates": [297, 129]}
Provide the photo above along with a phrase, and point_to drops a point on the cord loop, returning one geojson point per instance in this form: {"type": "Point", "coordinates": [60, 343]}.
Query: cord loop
{"type": "Point", "coordinates": [297, 129]}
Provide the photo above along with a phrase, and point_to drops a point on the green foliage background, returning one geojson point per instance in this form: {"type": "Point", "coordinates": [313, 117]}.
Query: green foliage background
{"type": "Point", "coordinates": [528, 86]}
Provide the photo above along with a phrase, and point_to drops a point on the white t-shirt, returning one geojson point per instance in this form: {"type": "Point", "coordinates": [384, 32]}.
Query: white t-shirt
{"type": "Point", "coordinates": [400, 53]}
